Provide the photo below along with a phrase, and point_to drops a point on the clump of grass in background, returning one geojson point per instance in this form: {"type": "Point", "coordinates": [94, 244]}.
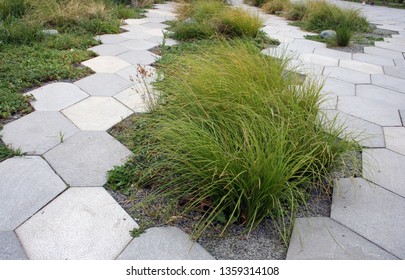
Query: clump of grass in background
{"type": "Point", "coordinates": [205, 19]}
{"type": "Point", "coordinates": [323, 16]}
{"type": "Point", "coordinates": [257, 3]}
{"type": "Point", "coordinates": [273, 6]}
{"type": "Point", "coordinates": [233, 138]}
{"type": "Point", "coordinates": [12, 9]}
{"type": "Point", "coordinates": [296, 11]}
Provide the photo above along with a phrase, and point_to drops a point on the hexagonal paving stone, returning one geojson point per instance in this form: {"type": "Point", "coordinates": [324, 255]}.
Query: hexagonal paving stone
{"type": "Point", "coordinates": [84, 159]}
{"type": "Point", "coordinates": [82, 223]}
{"type": "Point", "coordinates": [388, 82]}
{"type": "Point", "coordinates": [395, 139]}
{"type": "Point", "coordinates": [347, 75]}
{"type": "Point", "coordinates": [322, 238]}
{"type": "Point", "coordinates": [97, 113]}
{"type": "Point", "coordinates": [133, 74]}
{"type": "Point", "coordinates": [134, 28]}
{"type": "Point", "coordinates": [369, 110]}
{"type": "Point", "coordinates": [395, 71]}
{"type": "Point", "coordinates": [373, 59]}
{"type": "Point", "coordinates": [109, 49]}
{"type": "Point", "coordinates": [338, 87]}
{"type": "Point", "coordinates": [164, 243]}
{"type": "Point", "coordinates": [103, 84]}
{"type": "Point", "coordinates": [332, 53]}
{"type": "Point", "coordinates": [139, 57]}
{"type": "Point", "coordinates": [366, 133]}
{"type": "Point", "coordinates": [112, 38]}
{"type": "Point", "coordinates": [106, 64]}
{"type": "Point", "coordinates": [372, 212]}
{"type": "Point", "coordinates": [10, 247]}
{"type": "Point", "coordinates": [56, 96]}
{"type": "Point", "coordinates": [384, 167]}
{"type": "Point", "coordinates": [38, 132]}
{"type": "Point", "coordinates": [155, 25]}
{"type": "Point", "coordinates": [383, 52]}
{"type": "Point", "coordinates": [318, 59]}
{"type": "Point", "coordinates": [381, 95]}
{"type": "Point", "coordinates": [27, 184]}
{"type": "Point", "coordinates": [137, 35]}
{"type": "Point", "coordinates": [135, 99]}
{"type": "Point", "coordinates": [361, 66]}
{"type": "Point", "coordinates": [138, 45]}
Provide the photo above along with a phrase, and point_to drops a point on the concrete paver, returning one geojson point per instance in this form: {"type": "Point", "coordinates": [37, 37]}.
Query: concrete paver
{"type": "Point", "coordinates": [384, 167]}
{"type": "Point", "coordinates": [164, 243]}
{"type": "Point", "coordinates": [97, 113]}
{"type": "Point", "coordinates": [56, 96]}
{"type": "Point", "coordinates": [106, 64]}
{"type": "Point", "coordinates": [312, 235]}
{"type": "Point", "coordinates": [82, 223]}
{"type": "Point", "coordinates": [27, 184]}
{"type": "Point", "coordinates": [10, 247]}
{"type": "Point", "coordinates": [371, 211]}
{"type": "Point", "coordinates": [85, 159]}
{"type": "Point", "coordinates": [38, 132]}
{"type": "Point", "coordinates": [103, 84]}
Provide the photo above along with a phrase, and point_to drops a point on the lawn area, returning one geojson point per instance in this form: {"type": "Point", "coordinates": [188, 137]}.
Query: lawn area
{"type": "Point", "coordinates": [30, 58]}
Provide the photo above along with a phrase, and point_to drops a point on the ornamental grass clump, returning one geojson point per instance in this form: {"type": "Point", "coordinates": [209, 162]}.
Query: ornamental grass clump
{"type": "Point", "coordinates": [235, 136]}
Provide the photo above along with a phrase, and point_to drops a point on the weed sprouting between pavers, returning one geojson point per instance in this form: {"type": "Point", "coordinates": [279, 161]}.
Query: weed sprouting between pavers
{"type": "Point", "coordinates": [235, 137]}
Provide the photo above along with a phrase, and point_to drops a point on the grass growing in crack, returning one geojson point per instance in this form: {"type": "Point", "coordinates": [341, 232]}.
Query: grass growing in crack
{"type": "Point", "coordinates": [6, 152]}
{"type": "Point", "coordinates": [233, 139]}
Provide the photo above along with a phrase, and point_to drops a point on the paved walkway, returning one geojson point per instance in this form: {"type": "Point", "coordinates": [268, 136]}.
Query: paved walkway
{"type": "Point", "coordinates": [53, 205]}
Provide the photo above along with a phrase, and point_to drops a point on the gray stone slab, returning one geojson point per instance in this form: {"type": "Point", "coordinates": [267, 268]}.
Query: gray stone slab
{"type": "Point", "coordinates": [10, 247]}
{"type": "Point", "coordinates": [38, 132]}
{"type": "Point", "coordinates": [318, 59]}
{"type": "Point", "coordinates": [402, 114]}
{"type": "Point", "coordinates": [361, 66]}
{"type": "Point", "coordinates": [373, 59]}
{"type": "Point", "coordinates": [82, 223]}
{"type": "Point", "coordinates": [134, 27]}
{"type": "Point", "coordinates": [109, 49]}
{"type": "Point", "coordinates": [137, 35]}
{"type": "Point", "coordinates": [338, 87]}
{"type": "Point", "coordinates": [366, 133]}
{"type": "Point", "coordinates": [347, 75]}
{"type": "Point", "coordinates": [332, 53]}
{"type": "Point", "coordinates": [106, 64]}
{"type": "Point", "coordinates": [388, 82]}
{"type": "Point", "coordinates": [155, 25]}
{"type": "Point", "coordinates": [372, 111]}
{"type": "Point", "coordinates": [112, 38]}
{"type": "Point", "coordinates": [97, 113]}
{"type": "Point", "coordinates": [322, 238]}
{"type": "Point", "coordinates": [27, 184]}
{"type": "Point", "coordinates": [103, 84]}
{"type": "Point", "coordinates": [84, 159]}
{"type": "Point", "coordinates": [381, 95]}
{"type": "Point", "coordinates": [138, 45]}
{"type": "Point", "coordinates": [372, 212]}
{"type": "Point", "coordinates": [383, 52]}
{"type": "Point", "coordinates": [395, 139]}
{"type": "Point", "coordinates": [385, 168]}
{"type": "Point", "coordinates": [165, 243]}
{"type": "Point", "coordinates": [132, 73]}
{"type": "Point", "coordinates": [394, 46]}
{"type": "Point", "coordinates": [139, 57]}
{"type": "Point", "coordinates": [56, 96]}
{"type": "Point", "coordinates": [395, 71]}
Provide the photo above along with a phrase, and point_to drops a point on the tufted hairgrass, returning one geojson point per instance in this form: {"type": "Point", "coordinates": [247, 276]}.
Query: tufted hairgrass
{"type": "Point", "coordinates": [234, 136]}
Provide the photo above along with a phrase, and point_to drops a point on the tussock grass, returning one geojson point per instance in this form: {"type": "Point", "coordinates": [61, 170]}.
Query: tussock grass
{"type": "Point", "coordinates": [233, 137]}
{"type": "Point", "coordinates": [322, 15]}
{"type": "Point", "coordinates": [296, 11]}
{"type": "Point", "coordinates": [273, 6]}
{"type": "Point", "coordinates": [205, 19]}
